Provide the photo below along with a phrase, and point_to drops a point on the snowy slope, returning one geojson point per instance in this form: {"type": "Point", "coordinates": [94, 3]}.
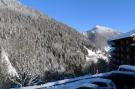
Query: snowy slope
{"type": "Point", "coordinates": [94, 56]}
{"type": "Point", "coordinates": [36, 45]}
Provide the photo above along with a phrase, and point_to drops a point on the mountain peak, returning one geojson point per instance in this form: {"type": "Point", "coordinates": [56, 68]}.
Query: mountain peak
{"type": "Point", "coordinates": [102, 27]}
{"type": "Point", "coordinates": [100, 35]}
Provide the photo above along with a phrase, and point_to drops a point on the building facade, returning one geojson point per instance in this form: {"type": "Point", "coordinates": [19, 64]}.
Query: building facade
{"type": "Point", "coordinates": [122, 51]}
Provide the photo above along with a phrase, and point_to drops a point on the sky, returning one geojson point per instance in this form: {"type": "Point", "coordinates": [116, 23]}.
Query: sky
{"type": "Point", "coordinates": [83, 15]}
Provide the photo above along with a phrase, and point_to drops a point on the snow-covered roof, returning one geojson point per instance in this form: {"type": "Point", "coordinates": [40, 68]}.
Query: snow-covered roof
{"type": "Point", "coordinates": [124, 35]}
{"type": "Point", "coordinates": [128, 67]}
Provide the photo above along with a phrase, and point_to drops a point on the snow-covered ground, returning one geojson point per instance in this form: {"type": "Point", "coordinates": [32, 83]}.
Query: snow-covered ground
{"type": "Point", "coordinates": [5, 61]}
{"type": "Point", "coordinates": [64, 84]}
{"type": "Point", "coordinates": [94, 56]}
{"type": "Point", "coordinates": [78, 81]}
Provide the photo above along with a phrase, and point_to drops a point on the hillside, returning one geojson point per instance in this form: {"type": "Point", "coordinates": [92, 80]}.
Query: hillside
{"type": "Point", "coordinates": [33, 45]}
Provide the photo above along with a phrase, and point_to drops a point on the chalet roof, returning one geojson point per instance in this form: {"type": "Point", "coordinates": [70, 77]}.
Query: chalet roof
{"type": "Point", "coordinates": [128, 67]}
{"type": "Point", "coordinates": [124, 35]}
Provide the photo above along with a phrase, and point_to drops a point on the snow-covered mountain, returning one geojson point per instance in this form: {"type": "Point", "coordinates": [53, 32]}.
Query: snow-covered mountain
{"type": "Point", "coordinates": [100, 35]}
